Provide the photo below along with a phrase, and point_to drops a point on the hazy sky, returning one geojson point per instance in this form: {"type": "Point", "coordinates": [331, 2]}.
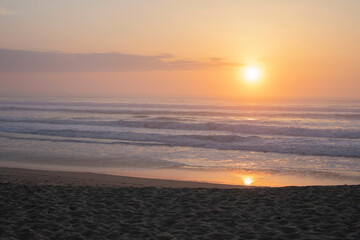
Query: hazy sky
{"type": "Point", "coordinates": [114, 48]}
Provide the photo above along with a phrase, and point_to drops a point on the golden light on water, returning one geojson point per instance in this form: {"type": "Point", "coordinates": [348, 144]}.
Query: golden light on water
{"type": "Point", "coordinates": [248, 181]}
{"type": "Point", "coordinates": [251, 74]}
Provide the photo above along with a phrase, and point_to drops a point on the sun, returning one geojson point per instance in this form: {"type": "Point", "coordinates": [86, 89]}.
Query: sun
{"type": "Point", "coordinates": [248, 180]}
{"type": "Point", "coordinates": [251, 74]}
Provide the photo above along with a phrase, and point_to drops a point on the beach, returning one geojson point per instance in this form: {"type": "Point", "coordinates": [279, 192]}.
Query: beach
{"type": "Point", "coordinates": [59, 205]}
{"type": "Point", "coordinates": [276, 143]}
{"type": "Point", "coordinates": [172, 120]}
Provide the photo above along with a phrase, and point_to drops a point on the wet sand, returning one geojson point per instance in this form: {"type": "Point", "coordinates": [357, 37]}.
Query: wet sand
{"type": "Point", "coordinates": [41, 177]}
{"type": "Point", "coordinates": [59, 205]}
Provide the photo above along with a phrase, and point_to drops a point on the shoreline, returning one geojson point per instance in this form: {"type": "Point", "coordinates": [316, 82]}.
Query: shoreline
{"type": "Point", "coordinates": [176, 177]}
{"type": "Point", "coordinates": [65, 178]}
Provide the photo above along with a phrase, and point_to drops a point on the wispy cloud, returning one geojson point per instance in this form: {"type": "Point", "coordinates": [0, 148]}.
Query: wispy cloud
{"type": "Point", "coordinates": [4, 11]}
{"type": "Point", "coordinates": [35, 61]}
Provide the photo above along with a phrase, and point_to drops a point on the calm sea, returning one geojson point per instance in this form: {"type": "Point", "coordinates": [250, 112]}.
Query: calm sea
{"type": "Point", "coordinates": [311, 139]}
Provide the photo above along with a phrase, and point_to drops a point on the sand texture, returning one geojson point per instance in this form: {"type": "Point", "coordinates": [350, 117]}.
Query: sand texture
{"type": "Point", "coordinates": [30, 211]}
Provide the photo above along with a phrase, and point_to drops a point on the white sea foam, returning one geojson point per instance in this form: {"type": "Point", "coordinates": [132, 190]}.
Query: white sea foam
{"type": "Point", "coordinates": [241, 126]}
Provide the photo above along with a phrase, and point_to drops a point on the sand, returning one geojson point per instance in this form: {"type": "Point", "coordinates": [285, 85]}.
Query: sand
{"type": "Point", "coordinates": [56, 205]}
{"type": "Point", "coordinates": [40, 177]}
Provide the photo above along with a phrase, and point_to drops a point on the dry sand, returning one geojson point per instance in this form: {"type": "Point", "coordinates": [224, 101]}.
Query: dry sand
{"type": "Point", "coordinates": [56, 205]}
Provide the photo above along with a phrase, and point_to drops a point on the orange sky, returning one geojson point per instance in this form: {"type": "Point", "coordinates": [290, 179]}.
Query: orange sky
{"type": "Point", "coordinates": [304, 48]}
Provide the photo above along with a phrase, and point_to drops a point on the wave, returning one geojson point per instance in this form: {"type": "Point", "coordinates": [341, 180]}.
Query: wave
{"type": "Point", "coordinates": [82, 140]}
{"type": "Point", "coordinates": [144, 113]}
{"type": "Point", "coordinates": [241, 128]}
{"type": "Point", "coordinates": [353, 107]}
{"type": "Point", "coordinates": [300, 146]}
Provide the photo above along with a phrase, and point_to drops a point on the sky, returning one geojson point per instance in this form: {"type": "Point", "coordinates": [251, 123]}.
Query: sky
{"type": "Point", "coordinates": [304, 49]}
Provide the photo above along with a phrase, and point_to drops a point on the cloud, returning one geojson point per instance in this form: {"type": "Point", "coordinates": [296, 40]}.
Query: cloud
{"type": "Point", "coordinates": [4, 11]}
{"type": "Point", "coordinates": [36, 61]}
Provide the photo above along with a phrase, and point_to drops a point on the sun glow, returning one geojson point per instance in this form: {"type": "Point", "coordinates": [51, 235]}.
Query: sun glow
{"type": "Point", "coordinates": [252, 74]}
{"type": "Point", "coordinates": [248, 180]}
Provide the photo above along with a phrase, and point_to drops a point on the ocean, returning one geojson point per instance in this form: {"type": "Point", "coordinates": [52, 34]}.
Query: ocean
{"type": "Point", "coordinates": [275, 143]}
